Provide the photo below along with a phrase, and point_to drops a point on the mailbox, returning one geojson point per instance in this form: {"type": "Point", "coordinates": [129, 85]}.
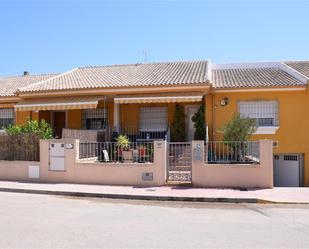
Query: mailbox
{"type": "Point", "coordinates": [197, 153]}
{"type": "Point", "coordinates": [56, 156]}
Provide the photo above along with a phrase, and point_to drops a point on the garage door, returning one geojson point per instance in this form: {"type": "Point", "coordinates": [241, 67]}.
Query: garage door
{"type": "Point", "coordinates": [287, 170]}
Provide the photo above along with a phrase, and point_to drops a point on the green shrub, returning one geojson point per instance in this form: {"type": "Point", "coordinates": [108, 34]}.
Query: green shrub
{"type": "Point", "coordinates": [238, 129]}
{"type": "Point", "coordinates": [40, 128]}
{"type": "Point", "coordinates": [178, 125]}
{"type": "Point", "coordinates": [199, 123]}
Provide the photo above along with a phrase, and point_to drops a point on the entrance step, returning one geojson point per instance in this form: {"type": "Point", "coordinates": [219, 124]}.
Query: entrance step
{"type": "Point", "coordinates": [179, 183]}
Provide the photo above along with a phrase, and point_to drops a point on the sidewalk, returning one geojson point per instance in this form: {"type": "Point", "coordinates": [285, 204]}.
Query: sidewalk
{"type": "Point", "coordinates": [164, 193]}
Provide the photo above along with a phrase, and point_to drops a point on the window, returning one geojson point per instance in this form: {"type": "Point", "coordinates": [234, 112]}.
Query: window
{"type": "Point", "coordinates": [94, 119]}
{"type": "Point", "coordinates": [265, 113]}
{"type": "Point", "coordinates": [6, 117]}
{"type": "Point", "coordinates": [153, 118]}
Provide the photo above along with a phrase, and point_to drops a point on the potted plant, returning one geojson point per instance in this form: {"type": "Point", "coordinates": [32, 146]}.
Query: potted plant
{"type": "Point", "coordinates": [123, 145]}
{"type": "Point", "coordinates": [142, 150]}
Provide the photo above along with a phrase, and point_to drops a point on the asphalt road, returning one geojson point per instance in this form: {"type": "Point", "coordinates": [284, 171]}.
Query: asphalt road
{"type": "Point", "coordinates": [41, 221]}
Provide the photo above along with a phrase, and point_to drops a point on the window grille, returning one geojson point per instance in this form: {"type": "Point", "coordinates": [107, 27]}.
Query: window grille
{"type": "Point", "coordinates": [290, 158]}
{"type": "Point", "coordinates": [265, 113]}
{"type": "Point", "coordinates": [6, 117]}
{"type": "Point", "coordinates": [153, 118]}
{"type": "Point", "coordinates": [94, 119]}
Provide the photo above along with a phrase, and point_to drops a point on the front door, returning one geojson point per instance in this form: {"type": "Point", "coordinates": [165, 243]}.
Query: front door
{"type": "Point", "coordinates": [59, 123]}
{"type": "Point", "coordinates": [190, 111]}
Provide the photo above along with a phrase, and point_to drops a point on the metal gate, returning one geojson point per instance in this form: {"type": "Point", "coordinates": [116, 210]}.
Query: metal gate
{"type": "Point", "coordinates": [179, 162]}
{"type": "Point", "coordinates": [288, 170]}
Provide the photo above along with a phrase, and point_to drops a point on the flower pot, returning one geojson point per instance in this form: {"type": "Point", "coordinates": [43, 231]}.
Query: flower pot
{"type": "Point", "coordinates": [127, 156]}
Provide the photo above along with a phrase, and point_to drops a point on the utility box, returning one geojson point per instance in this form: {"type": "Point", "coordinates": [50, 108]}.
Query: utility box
{"type": "Point", "coordinates": [147, 176]}
{"type": "Point", "coordinates": [197, 152]}
{"type": "Point", "coordinates": [34, 171]}
{"type": "Point", "coordinates": [56, 156]}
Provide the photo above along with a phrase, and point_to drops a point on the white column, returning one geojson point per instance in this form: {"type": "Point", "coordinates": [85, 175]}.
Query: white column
{"type": "Point", "coordinates": [116, 117]}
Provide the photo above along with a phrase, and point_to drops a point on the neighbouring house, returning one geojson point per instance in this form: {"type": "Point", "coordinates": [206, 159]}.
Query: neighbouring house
{"type": "Point", "coordinates": [9, 98]}
{"type": "Point", "coordinates": [139, 100]}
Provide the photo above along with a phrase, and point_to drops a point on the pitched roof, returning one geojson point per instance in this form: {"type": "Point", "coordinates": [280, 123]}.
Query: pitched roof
{"type": "Point", "coordinates": [252, 75]}
{"type": "Point", "coordinates": [152, 74]}
{"type": "Point", "coordinates": [9, 85]}
{"type": "Point", "coordinates": [300, 66]}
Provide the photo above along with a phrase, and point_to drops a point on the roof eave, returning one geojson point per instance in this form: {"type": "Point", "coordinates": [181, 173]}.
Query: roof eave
{"type": "Point", "coordinates": [120, 90]}
{"type": "Point", "coordinates": [259, 89]}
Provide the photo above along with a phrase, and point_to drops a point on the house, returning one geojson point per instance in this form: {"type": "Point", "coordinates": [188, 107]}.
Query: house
{"type": "Point", "coordinates": [139, 100]}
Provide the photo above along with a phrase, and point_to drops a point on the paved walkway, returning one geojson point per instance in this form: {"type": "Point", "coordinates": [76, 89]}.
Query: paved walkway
{"type": "Point", "coordinates": [173, 193]}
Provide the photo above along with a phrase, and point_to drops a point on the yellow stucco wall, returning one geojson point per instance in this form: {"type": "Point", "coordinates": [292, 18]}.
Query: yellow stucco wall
{"type": "Point", "coordinates": [46, 115]}
{"type": "Point", "coordinates": [110, 111]}
{"type": "Point", "coordinates": [293, 135]}
{"type": "Point", "coordinates": [24, 116]}
{"type": "Point", "coordinates": [74, 119]}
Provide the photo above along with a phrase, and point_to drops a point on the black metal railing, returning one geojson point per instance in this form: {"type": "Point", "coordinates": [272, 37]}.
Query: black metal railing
{"type": "Point", "coordinates": [138, 152]}
{"type": "Point", "coordinates": [232, 152]}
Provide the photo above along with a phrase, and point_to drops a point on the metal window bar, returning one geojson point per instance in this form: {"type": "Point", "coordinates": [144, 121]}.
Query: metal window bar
{"type": "Point", "coordinates": [232, 152]}
{"type": "Point", "coordinates": [7, 117]}
{"type": "Point", "coordinates": [94, 119]}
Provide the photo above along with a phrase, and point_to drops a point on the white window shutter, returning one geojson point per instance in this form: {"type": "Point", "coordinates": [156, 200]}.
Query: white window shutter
{"type": "Point", "coordinates": [153, 118]}
{"type": "Point", "coordinates": [260, 110]}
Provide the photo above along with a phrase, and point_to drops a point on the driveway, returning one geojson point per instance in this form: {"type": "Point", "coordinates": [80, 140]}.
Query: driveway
{"type": "Point", "coordinates": [43, 221]}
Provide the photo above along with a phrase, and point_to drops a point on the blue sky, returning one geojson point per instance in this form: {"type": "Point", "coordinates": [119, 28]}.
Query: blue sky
{"type": "Point", "coordinates": [57, 36]}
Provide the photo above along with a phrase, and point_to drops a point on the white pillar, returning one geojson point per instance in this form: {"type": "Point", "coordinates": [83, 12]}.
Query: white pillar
{"type": "Point", "coordinates": [116, 117]}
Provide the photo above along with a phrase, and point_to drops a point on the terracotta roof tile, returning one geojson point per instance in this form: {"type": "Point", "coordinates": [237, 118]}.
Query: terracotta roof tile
{"type": "Point", "coordinates": [252, 77]}
{"type": "Point", "coordinates": [300, 66]}
{"type": "Point", "coordinates": [150, 74]}
{"type": "Point", "coordinates": [9, 85]}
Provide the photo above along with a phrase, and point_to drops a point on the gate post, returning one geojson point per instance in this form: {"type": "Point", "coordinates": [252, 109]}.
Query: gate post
{"type": "Point", "coordinates": [197, 156]}
{"type": "Point", "coordinates": [160, 156]}
{"type": "Point", "coordinates": [266, 159]}
{"type": "Point", "coordinates": [44, 159]}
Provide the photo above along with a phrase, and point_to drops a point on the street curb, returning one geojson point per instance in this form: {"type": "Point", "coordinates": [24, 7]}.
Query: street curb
{"type": "Point", "coordinates": [131, 197]}
{"type": "Point", "coordinates": [149, 197]}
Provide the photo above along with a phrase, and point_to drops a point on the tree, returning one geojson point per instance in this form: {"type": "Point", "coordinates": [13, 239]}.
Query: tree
{"type": "Point", "coordinates": [238, 129]}
{"type": "Point", "coordinates": [178, 125]}
{"type": "Point", "coordinates": [236, 132]}
{"type": "Point", "coordinates": [199, 123]}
